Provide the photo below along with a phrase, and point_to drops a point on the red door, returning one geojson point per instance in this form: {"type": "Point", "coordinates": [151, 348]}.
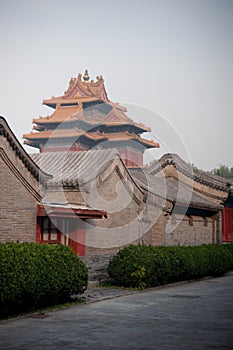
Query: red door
{"type": "Point", "coordinates": [77, 238]}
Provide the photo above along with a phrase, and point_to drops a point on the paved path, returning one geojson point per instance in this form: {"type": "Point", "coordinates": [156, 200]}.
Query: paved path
{"type": "Point", "coordinates": [196, 315]}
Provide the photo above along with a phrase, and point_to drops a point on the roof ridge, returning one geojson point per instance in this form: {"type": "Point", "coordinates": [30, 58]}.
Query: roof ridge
{"type": "Point", "coordinates": [188, 170]}
{"type": "Point", "coordinates": [20, 152]}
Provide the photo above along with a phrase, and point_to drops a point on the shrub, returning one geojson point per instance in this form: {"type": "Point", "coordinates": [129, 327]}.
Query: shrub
{"type": "Point", "coordinates": [181, 262]}
{"type": "Point", "coordinates": [229, 248]}
{"type": "Point", "coordinates": [135, 266]}
{"type": "Point", "coordinates": [219, 260]}
{"type": "Point", "coordinates": [36, 275]}
{"type": "Point", "coordinates": [146, 266]}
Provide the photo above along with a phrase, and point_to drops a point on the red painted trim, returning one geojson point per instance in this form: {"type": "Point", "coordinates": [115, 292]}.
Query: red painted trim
{"type": "Point", "coordinates": [77, 239]}
{"type": "Point", "coordinates": [44, 210]}
{"type": "Point", "coordinates": [38, 232]}
{"type": "Point", "coordinates": [131, 158]}
{"type": "Point", "coordinates": [40, 210]}
{"type": "Point", "coordinates": [59, 238]}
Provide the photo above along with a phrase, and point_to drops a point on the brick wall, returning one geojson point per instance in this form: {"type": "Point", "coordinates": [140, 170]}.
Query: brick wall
{"type": "Point", "coordinates": [190, 230]}
{"type": "Point", "coordinates": [57, 194]}
{"type": "Point", "coordinates": [114, 191]}
{"type": "Point", "coordinates": [122, 205]}
{"type": "Point", "coordinates": [97, 261]}
{"type": "Point", "coordinates": [167, 230]}
{"type": "Point", "coordinates": [17, 208]}
{"type": "Point", "coordinates": [97, 266]}
{"type": "Point", "coordinates": [158, 231]}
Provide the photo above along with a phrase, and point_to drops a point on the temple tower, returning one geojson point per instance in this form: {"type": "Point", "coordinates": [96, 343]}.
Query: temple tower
{"type": "Point", "coordinates": [84, 118]}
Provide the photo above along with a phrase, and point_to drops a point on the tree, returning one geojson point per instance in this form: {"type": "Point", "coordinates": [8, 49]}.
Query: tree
{"type": "Point", "coordinates": [223, 171]}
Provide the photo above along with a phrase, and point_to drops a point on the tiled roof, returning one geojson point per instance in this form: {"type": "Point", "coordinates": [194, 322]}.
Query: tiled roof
{"type": "Point", "coordinates": [78, 87]}
{"type": "Point", "coordinates": [88, 102]}
{"type": "Point", "coordinates": [57, 209]}
{"type": "Point", "coordinates": [74, 168]}
{"type": "Point", "coordinates": [62, 99]}
{"type": "Point", "coordinates": [72, 113]}
{"type": "Point", "coordinates": [184, 194]}
{"type": "Point", "coordinates": [153, 184]}
{"type": "Point", "coordinates": [62, 113]}
{"type": "Point", "coordinates": [82, 90]}
{"type": "Point", "coordinates": [173, 190]}
{"type": "Point", "coordinates": [185, 168]}
{"type": "Point", "coordinates": [58, 133]}
{"type": "Point", "coordinates": [95, 136]}
{"type": "Point", "coordinates": [19, 151]}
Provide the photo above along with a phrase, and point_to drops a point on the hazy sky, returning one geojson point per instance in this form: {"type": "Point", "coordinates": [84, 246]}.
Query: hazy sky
{"type": "Point", "coordinates": [173, 58]}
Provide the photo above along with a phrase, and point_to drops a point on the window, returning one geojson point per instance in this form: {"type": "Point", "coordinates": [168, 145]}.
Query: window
{"type": "Point", "coordinates": [63, 231]}
{"type": "Point", "coordinates": [49, 232]}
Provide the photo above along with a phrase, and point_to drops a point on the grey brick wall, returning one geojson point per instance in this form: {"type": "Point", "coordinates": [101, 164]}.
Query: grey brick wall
{"type": "Point", "coordinates": [17, 208]}
{"type": "Point", "coordinates": [194, 231]}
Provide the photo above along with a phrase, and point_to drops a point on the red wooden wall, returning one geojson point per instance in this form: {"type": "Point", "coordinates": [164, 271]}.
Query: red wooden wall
{"type": "Point", "coordinates": [131, 158]}
{"type": "Point", "coordinates": [227, 234]}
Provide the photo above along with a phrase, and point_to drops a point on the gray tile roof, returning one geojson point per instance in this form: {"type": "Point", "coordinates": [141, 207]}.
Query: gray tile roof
{"type": "Point", "coordinates": [74, 168]}
{"type": "Point", "coordinates": [171, 189]}
{"type": "Point", "coordinates": [154, 184]}
{"type": "Point", "coordinates": [187, 169]}
{"type": "Point", "coordinates": [30, 165]}
{"type": "Point", "coordinates": [184, 194]}
{"type": "Point", "coordinates": [79, 168]}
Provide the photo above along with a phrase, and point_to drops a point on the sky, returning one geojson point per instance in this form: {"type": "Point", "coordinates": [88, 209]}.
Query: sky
{"type": "Point", "coordinates": [170, 62]}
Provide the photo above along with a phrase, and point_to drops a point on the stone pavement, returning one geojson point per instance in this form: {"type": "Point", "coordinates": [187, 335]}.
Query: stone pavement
{"type": "Point", "coordinates": [197, 315]}
{"type": "Point", "coordinates": [93, 294]}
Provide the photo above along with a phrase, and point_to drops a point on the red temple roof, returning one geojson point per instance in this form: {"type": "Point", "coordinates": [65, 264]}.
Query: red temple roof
{"type": "Point", "coordinates": [94, 136]}
{"type": "Point", "coordinates": [86, 116]}
{"type": "Point", "coordinates": [79, 90]}
{"type": "Point", "coordinates": [114, 117]}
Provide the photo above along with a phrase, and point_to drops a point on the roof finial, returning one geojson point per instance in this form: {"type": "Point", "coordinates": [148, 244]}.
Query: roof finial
{"type": "Point", "coordinates": [86, 75]}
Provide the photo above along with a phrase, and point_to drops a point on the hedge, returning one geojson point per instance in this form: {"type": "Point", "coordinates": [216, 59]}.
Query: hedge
{"type": "Point", "coordinates": [36, 275]}
{"type": "Point", "coordinates": [147, 266]}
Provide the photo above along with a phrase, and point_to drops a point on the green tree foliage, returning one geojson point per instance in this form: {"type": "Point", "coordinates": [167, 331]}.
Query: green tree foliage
{"type": "Point", "coordinates": [223, 171]}
{"type": "Point", "coordinates": [36, 275]}
{"type": "Point", "coordinates": [146, 266]}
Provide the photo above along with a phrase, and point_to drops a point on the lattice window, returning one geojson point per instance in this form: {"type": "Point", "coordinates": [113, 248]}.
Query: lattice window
{"type": "Point", "coordinates": [49, 232]}
{"type": "Point", "coordinates": [70, 232]}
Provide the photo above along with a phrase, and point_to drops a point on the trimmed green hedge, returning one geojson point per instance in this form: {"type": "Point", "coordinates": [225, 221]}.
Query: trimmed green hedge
{"type": "Point", "coordinates": [147, 266]}
{"type": "Point", "coordinates": [36, 275]}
